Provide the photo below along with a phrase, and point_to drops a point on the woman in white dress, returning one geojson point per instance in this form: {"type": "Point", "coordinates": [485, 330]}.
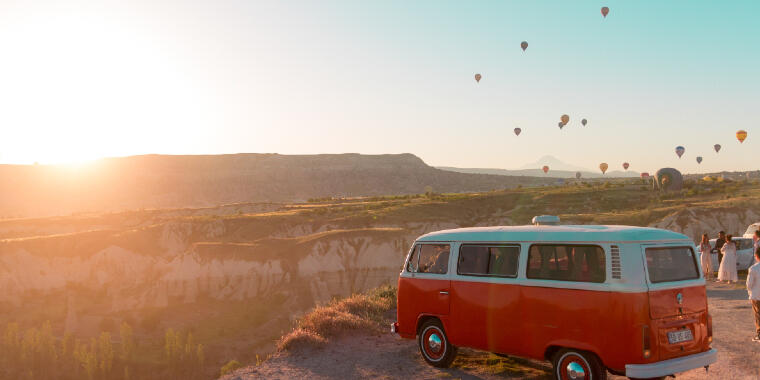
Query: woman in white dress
{"type": "Point", "coordinates": [705, 257]}
{"type": "Point", "coordinates": [727, 270]}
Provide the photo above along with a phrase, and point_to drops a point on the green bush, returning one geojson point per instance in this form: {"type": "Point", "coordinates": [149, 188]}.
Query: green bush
{"type": "Point", "coordinates": [230, 366]}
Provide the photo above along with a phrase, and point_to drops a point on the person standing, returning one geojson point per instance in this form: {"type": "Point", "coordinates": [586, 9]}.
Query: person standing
{"type": "Point", "coordinates": [719, 245]}
{"type": "Point", "coordinates": [756, 240]}
{"type": "Point", "coordinates": [727, 271]}
{"type": "Point", "coordinates": [753, 288]}
{"type": "Point", "coordinates": [705, 258]}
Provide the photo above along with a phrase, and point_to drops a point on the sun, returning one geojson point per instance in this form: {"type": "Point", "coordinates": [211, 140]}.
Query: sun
{"type": "Point", "coordinates": [78, 87]}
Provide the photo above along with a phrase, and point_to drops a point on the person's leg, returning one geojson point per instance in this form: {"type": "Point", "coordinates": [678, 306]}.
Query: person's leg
{"type": "Point", "coordinates": [756, 310]}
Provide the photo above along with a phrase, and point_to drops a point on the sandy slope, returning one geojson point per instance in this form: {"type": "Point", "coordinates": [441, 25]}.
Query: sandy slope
{"type": "Point", "coordinates": [386, 356]}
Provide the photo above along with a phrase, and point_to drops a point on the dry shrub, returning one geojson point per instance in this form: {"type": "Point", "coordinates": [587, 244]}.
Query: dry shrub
{"type": "Point", "coordinates": [364, 306]}
{"type": "Point", "coordinates": [358, 312]}
{"type": "Point", "coordinates": [300, 339]}
{"type": "Point", "coordinates": [331, 321]}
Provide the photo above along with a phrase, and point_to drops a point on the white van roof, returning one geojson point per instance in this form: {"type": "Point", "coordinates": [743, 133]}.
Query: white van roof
{"type": "Point", "coordinates": [564, 233]}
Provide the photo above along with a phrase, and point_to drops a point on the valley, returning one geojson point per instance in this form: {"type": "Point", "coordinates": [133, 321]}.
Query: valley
{"type": "Point", "coordinates": [237, 276]}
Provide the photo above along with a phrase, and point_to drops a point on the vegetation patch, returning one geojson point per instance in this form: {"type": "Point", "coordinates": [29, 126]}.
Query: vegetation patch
{"type": "Point", "coordinates": [360, 312]}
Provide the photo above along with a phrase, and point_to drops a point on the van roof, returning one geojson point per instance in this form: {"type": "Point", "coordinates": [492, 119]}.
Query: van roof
{"type": "Point", "coordinates": [563, 233]}
{"type": "Point", "coordinates": [734, 238]}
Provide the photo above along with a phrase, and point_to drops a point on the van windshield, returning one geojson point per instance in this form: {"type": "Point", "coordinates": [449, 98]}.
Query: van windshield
{"type": "Point", "coordinates": [667, 264]}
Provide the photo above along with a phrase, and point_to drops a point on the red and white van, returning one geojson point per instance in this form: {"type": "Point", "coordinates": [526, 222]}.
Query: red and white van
{"type": "Point", "coordinates": [591, 299]}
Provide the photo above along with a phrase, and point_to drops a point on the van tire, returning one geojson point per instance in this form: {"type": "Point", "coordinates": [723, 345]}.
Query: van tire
{"type": "Point", "coordinates": [434, 344]}
{"type": "Point", "coordinates": [587, 361]}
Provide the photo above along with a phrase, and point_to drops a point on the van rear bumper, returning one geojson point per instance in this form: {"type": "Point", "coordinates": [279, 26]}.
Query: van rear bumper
{"type": "Point", "coordinates": [672, 366]}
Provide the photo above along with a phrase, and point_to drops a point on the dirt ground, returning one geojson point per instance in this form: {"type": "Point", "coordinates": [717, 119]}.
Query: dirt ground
{"type": "Point", "coordinates": [385, 356]}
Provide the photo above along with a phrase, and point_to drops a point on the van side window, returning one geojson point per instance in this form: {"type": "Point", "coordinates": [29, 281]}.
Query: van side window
{"type": "Point", "coordinates": [485, 260]}
{"type": "Point", "coordinates": [565, 262]}
{"type": "Point", "coordinates": [411, 265]}
{"type": "Point", "coordinates": [434, 258]}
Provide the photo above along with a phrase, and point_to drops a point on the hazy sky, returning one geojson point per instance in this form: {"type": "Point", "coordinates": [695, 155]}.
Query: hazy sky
{"type": "Point", "coordinates": [86, 79]}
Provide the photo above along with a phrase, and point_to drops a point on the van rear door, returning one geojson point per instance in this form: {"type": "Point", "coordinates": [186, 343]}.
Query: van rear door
{"type": "Point", "coordinates": [677, 300]}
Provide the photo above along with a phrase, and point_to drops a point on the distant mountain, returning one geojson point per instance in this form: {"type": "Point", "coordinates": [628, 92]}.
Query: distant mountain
{"type": "Point", "coordinates": [159, 181]}
{"type": "Point", "coordinates": [557, 169]}
{"type": "Point", "coordinates": [539, 173]}
{"type": "Point", "coordinates": [554, 164]}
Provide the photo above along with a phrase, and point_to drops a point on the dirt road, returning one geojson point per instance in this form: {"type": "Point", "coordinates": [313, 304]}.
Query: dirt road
{"type": "Point", "coordinates": [385, 356]}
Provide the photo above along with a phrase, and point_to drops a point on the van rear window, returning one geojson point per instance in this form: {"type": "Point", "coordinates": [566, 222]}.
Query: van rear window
{"type": "Point", "coordinates": [565, 262]}
{"type": "Point", "coordinates": [667, 264]}
{"type": "Point", "coordinates": [486, 260]}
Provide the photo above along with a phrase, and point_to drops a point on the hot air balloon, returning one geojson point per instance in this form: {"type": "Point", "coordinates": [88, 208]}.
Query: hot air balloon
{"type": "Point", "coordinates": [560, 125]}
{"type": "Point", "coordinates": [578, 175]}
{"type": "Point", "coordinates": [603, 167]}
{"type": "Point", "coordinates": [584, 122]}
{"type": "Point", "coordinates": [644, 175]}
{"type": "Point", "coordinates": [605, 11]}
{"type": "Point", "coordinates": [625, 165]}
{"type": "Point", "coordinates": [565, 119]}
{"type": "Point", "coordinates": [680, 150]}
{"type": "Point", "coordinates": [517, 131]}
{"type": "Point", "coordinates": [741, 135]}
{"type": "Point", "coordinates": [717, 148]}
{"type": "Point", "coordinates": [524, 45]}
{"type": "Point", "coordinates": [477, 77]}
{"type": "Point", "coordinates": [545, 169]}
{"type": "Point", "coordinates": [699, 159]}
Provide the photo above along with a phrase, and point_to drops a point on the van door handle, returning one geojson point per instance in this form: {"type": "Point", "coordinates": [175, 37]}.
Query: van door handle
{"type": "Point", "coordinates": [445, 293]}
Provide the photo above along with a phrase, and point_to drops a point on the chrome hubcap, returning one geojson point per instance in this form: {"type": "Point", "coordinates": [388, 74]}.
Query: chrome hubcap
{"type": "Point", "coordinates": [575, 371]}
{"type": "Point", "coordinates": [434, 342]}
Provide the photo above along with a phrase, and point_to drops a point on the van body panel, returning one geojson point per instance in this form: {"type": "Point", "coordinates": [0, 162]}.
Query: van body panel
{"type": "Point", "coordinates": [621, 326]}
{"type": "Point", "coordinates": [665, 303]}
{"type": "Point", "coordinates": [485, 314]}
{"type": "Point", "coordinates": [696, 322]}
{"type": "Point", "coordinates": [421, 295]}
{"type": "Point", "coordinates": [552, 315]}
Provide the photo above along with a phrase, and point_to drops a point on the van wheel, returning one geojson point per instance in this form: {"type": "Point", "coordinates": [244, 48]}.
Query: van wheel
{"type": "Point", "coordinates": [571, 364]}
{"type": "Point", "coordinates": [435, 346]}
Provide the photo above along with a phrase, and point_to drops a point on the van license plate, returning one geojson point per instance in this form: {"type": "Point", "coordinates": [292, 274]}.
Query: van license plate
{"type": "Point", "coordinates": [680, 336]}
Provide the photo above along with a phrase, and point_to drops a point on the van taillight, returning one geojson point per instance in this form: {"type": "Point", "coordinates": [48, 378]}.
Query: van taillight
{"type": "Point", "coordinates": [646, 343]}
{"type": "Point", "coordinates": [709, 328]}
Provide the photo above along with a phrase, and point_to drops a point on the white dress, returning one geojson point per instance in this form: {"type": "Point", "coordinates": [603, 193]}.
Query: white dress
{"type": "Point", "coordinates": [727, 270]}
{"type": "Point", "coordinates": [705, 258]}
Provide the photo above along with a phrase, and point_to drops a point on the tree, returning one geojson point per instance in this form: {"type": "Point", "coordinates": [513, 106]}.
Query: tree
{"type": "Point", "coordinates": [127, 343]}
{"type": "Point", "coordinates": [11, 349]}
{"type": "Point", "coordinates": [46, 352]}
{"type": "Point", "coordinates": [105, 354]}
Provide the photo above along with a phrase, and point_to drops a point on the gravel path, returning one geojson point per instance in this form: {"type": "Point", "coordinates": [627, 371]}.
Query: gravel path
{"type": "Point", "coordinates": [385, 356]}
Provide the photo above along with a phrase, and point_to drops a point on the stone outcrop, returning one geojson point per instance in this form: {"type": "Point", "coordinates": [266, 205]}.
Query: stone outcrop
{"type": "Point", "coordinates": [186, 260]}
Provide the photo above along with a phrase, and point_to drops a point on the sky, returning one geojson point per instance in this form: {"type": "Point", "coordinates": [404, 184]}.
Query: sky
{"type": "Point", "coordinates": [80, 80]}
